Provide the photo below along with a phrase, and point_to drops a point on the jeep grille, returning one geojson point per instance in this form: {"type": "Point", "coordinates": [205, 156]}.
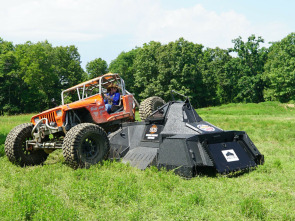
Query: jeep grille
{"type": "Point", "coordinates": [50, 116]}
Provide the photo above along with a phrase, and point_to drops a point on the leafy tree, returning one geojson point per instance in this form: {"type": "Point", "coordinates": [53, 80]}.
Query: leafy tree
{"type": "Point", "coordinates": [67, 66]}
{"type": "Point", "coordinates": [32, 74]}
{"type": "Point", "coordinates": [36, 69]}
{"type": "Point", "coordinates": [124, 65]}
{"type": "Point", "coordinates": [280, 70]}
{"type": "Point", "coordinates": [7, 79]}
{"type": "Point", "coordinates": [217, 75]}
{"type": "Point", "coordinates": [249, 64]}
{"type": "Point", "coordinates": [146, 69]}
{"type": "Point", "coordinates": [96, 68]}
{"type": "Point", "coordinates": [162, 68]}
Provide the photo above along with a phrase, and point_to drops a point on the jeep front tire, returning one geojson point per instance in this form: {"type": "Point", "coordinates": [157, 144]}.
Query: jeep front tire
{"type": "Point", "coordinates": [84, 145]}
{"type": "Point", "coordinates": [15, 147]}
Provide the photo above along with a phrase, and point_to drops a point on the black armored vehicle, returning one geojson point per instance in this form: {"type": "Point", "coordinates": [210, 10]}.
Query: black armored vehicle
{"type": "Point", "coordinates": [175, 137]}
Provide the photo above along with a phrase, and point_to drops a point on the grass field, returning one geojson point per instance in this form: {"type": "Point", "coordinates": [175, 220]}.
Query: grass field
{"type": "Point", "coordinates": [116, 191]}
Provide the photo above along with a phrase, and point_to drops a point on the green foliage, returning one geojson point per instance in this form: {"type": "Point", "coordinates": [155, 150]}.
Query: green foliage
{"type": "Point", "coordinates": [35, 67]}
{"type": "Point", "coordinates": [7, 77]}
{"type": "Point", "coordinates": [124, 65]}
{"type": "Point", "coordinates": [249, 68]}
{"type": "Point", "coordinates": [96, 68]}
{"type": "Point", "coordinates": [32, 74]}
{"type": "Point", "coordinates": [209, 77]}
{"type": "Point", "coordinates": [280, 70]}
{"type": "Point", "coordinates": [175, 66]}
{"type": "Point", "coordinates": [218, 77]}
{"type": "Point", "coordinates": [68, 66]}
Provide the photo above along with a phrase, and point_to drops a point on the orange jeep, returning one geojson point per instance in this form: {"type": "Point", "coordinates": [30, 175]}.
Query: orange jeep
{"type": "Point", "coordinates": [79, 126]}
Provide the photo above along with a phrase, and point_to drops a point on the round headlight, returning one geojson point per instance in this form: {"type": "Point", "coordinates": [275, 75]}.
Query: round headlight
{"type": "Point", "coordinates": [36, 119]}
{"type": "Point", "coordinates": [58, 113]}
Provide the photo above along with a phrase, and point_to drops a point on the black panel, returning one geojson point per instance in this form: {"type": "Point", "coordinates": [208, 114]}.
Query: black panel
{"type": "Point", "coordinates": [229, 156]}
{"type": "Point", "coordinates": [174, 153]}
{"type": "Point", "coordinates": [200, 156]}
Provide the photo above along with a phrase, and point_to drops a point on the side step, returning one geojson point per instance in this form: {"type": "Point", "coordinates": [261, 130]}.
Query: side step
{"type": "Point", "coordinates": [141, 157]}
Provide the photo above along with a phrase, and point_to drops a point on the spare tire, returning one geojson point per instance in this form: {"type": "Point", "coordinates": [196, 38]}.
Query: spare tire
{"type": "Point", "coordinates": [149, 105]}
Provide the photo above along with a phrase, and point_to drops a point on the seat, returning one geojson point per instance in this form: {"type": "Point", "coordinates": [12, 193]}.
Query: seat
{"type": "Point", "coordinates": [117, 108]}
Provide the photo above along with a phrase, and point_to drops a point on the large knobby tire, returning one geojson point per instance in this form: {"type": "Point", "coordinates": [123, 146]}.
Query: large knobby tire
{"type": "Point", "coordinates": [149, 105]}
{"type": "Point", "coordinates": [84, 145]}
{"type": "Point", "coordinates": [15, 147]}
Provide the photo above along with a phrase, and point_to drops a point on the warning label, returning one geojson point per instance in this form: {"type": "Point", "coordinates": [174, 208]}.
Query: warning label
{"type": "Point", "coordinates": [230, 155]}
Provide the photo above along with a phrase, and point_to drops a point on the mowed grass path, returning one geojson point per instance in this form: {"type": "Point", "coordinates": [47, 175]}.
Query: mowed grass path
{"type": "Point", "coordinates": [116, 191]}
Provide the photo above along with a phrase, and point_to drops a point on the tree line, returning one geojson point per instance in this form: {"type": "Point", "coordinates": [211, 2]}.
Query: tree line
{"type": "Point", "coordinates": [247, 72]}
{"type": "Point", "coordinates": [31, 74]}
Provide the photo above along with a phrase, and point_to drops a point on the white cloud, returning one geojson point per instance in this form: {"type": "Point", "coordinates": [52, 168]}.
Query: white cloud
{"type": "Point", "coordinates": [210, 28]}
{"type": "Point", "coordinates": [195, 24]}
{"type": "Point", "coordinates": [142, 21]}
{"type": "Point", "coordinates": [69, 19]}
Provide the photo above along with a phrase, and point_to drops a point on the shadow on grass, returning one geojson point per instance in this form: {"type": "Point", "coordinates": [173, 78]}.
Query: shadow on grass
{"type": "Point", "coordinates": [2, 152]}
{"type": "Point", "coordinates": [201, 171]}
{"type": "Point", "coordinates": [206, 171]}
{"type": "Point", "coordinates": [211, 172]}
{"type": "Point", "coordinates": [2, 138]}
{"type": "Point", "coordinates": [2, 141]}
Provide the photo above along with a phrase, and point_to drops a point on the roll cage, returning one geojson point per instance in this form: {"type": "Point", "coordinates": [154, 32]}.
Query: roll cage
{"type": "Point", "coordinates": [93, 87]}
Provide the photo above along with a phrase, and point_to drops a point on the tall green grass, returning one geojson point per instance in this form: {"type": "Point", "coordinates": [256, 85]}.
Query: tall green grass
{"type": "Point", "coordinates": [115, 191]}
{"type": "Point", "coordinates": [7, 123]}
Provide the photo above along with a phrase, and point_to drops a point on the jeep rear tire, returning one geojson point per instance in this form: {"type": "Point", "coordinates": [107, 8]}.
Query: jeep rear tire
{"type": "Point", "coordinates": [149, 105]}
{"type": "Point", "coordinates": [15, 147]}
{"type": "Point", "coordinates": [84, 145]}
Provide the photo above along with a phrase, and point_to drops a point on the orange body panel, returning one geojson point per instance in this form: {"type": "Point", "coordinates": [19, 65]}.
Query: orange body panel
{"type": "Point", "coordinates": [96, 107]}
{"type": "Point", "coordinates": [100, 115]}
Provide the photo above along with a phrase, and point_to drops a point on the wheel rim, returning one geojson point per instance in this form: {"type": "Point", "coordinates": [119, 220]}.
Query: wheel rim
{"type": "Point", "coordinates": [90, 148]}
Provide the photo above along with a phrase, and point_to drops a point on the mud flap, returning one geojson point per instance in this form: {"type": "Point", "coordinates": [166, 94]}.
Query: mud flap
{"type": "Point", "coordinates": [141, 157]}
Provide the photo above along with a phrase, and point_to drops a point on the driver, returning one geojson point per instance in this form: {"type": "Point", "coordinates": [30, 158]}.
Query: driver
{"type": "Point", "coordinates": [112, 97]}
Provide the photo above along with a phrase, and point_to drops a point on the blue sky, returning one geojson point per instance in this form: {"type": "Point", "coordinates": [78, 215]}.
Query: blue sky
{"type": "Point", "coordinates": [103, 29]}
